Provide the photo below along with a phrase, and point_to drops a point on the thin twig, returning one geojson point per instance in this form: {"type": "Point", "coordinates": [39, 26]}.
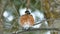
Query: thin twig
{"type": "Point", "coordinates": [46, 20]}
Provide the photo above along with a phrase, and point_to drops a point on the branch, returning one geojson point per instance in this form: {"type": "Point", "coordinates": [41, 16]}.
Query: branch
{"type": "Point", "coordinates": [28, 4]}
{"type": "Point", "coordinates": [46, 20]}
{"type": "Point", "coordinates": [39, 29]}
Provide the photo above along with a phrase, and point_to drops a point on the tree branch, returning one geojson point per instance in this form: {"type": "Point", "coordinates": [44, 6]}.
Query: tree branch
{"type": "Point", "coordinates": [39, 29]}
{"type": "Point", "coordinates": [28, 4]}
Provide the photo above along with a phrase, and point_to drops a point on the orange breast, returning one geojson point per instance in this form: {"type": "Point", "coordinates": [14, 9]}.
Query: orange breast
{"type": "Point", "coordinates": [25, 18]}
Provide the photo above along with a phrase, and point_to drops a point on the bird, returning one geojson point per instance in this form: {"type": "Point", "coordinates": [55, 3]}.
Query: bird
{"type": "Point", "coordinates": [26, 20]}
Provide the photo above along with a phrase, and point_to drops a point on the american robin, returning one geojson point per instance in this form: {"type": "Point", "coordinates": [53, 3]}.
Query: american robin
{"type": "Point", "coordinates": [26, 20]}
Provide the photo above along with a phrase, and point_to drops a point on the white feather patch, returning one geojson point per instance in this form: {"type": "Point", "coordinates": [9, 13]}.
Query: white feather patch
{"type": "Point", "coordinates": [26, 25]}
{"type": "Point", "coordinates": [22, 11]}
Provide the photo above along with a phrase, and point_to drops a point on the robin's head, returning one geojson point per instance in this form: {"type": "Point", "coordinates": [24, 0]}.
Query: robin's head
{"type": "Point", "coordinates": [27, 12]}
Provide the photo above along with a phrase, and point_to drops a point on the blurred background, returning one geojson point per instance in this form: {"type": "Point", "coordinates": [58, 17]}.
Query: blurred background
{"type": "Point", "coordinates": [11, 10]}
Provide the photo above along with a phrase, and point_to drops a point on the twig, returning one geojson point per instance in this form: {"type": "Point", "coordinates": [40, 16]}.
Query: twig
{"type": "Point", "coordinates": [46, 20]}
{"type": "Point", "coordinates": [39, 29]}
{"type": "Point", "coordinates": [28, 4]}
